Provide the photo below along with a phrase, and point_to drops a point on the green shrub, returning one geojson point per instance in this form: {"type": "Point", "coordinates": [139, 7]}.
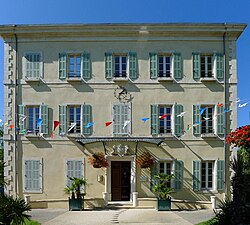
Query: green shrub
{"type": "Point", "coordinates": [212, 221]}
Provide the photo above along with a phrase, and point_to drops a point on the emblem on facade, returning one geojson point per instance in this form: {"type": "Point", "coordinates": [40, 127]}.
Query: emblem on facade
{"type": "Point", "coordinates": [122, 94]}
{"type": "Point", "coordinates": [120, 150]}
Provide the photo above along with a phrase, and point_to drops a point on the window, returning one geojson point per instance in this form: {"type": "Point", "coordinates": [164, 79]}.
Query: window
{"type": "Point", "coordinates": [207, 126]}
{"type": "Point", "coordinates": [207, 175]}
{"type": "Point", "coordinates": [74, 66]}
{"type": "Point", "coordinates": [33, 119]}
{"type": "Point", "coordinates": [121, 66]}
{"type": "Point", "coordinates": [33, 116]}
{"type": "Point", "coordinates": [74, 168]}
{"type": "Point", "coordinates": [120, 69]}
{"type": "Point", "coordinates": [165, 66]}
{"type": "Point", "coordinates": [121, 119]}
{"type": "Point", "coordinates": [165, 122]}
{"type": "Point", "coordinates": [166, 168]}
{"type": "Point", "coordinates": [33, 66]}
{"type": "Point", "coordinates": [32, 176]}
{"type": "Point", "coordinates": [167, 119]}
{"type": "Point", "coordinates": [75, 119]}
{"type": "Point", "coordinates": [207, 65]}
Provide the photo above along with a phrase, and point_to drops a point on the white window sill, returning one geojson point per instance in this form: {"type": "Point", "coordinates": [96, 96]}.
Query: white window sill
{"type": "Point", "coordinates": [207, 79]}
{"type": "Point", "coordinates": [168, 135]}
{"type": "Point", "coordinates": [208, 191]}
{"type": "Point", "coordinates": [120, 79]}
{"type": "Point", "coordinates": [30, 79]}
{"type": "Point", "coordinates": [74, 135]}
{"type": "Point", "coordinates": [74, 79]}
{"type": "Point", "coordinates": [165, 79]}
{"type": "Point", "coordinates": [209, 135]}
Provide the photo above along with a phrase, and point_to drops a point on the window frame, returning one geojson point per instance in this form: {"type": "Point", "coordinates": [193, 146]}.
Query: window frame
{"type": "Point", "coordinates": [206, 65]}
{"type": "Point", "coordinates": [170, 184]}
{"type": "Point", "coordinates": [206, 162]}
{"type": "Point", "coordinates": [164, 55]}
{"type": "Point", "coordinates": [25, 63]}
{"type": "Point", "coordinates": [75, 56]}
{"type": "Point", "coordinates": [74, 107]}
{"type": "Point", "coordinates": [120, 74]}
{"type": "Point", "coordinates": [206, 122]}
{"type": "Point", "coordinates": [166, 119]}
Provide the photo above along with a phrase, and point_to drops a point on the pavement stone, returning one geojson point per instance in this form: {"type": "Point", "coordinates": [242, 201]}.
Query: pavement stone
{"type": "Point", "coordinates": [119, 216]}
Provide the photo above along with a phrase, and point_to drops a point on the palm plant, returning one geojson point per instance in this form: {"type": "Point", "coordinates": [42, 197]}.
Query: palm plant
{"type": "Point", "coordinates": [12, 210]}
{"type": "Point", "coordinates": [161, 188]}
{"type": "Point", "coordinates": [75, 189]}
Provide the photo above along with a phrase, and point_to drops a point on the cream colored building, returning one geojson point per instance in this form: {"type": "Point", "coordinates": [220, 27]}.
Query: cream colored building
{"type": "Point", "coordinates": [181, 78]}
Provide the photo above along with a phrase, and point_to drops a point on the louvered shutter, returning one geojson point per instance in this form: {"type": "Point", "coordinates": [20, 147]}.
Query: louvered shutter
{"type": "Point", "coordinates": [177, 66]}
{"type": "Point", "coordinates": [133, 66]}
{"type": "Point", "coordinates": [86, 66]}
{"type": "Point", "coordinates": [196, 175]}
{"type": "Point", "coordinates": [44, 116]}
{"type": "Point", "coordinates": [220, 120]}
{"type": "Point", "coordinates": [21, 116]}
{"type": "Point", "coordinates": [178, 120]}
{"type": "Point", "coordinates": [32, 176]}
{"type": "Point", "coordinates": [108, 65]}
{"type": "Point", "coordinates": [154, 170]}
{"type": "Point", "coordinates": [74, 169]}
{"type": "Point", "coordinates": [62, 119]}
{"type": "Point", "coordinates": [86, 118]}
{"type": "Point", "coordinates": [153, 65]}
{"type": "Point", "coordinates": [196, 66]}
{"type": "Point", "coordinates": [219, 67]}
{"type": "Point", "coordinates": [154, 120]}
{"type": "Point", "coordinates": [196, 119]}
{"type": "Point", "coordinates": [121, 113]}
{"type": "Point", "coordinates": [62, 66]}
{"type": "Point", "coordinates": [220, 174]}
{"type": "Point", "coordinates": [178, 174]}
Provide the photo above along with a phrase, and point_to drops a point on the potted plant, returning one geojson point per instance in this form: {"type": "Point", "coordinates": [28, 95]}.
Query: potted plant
{"type": "Point", "coordinates": [76, 196]}
{"type": "Point", "coordinates": [145, 160]}
{"type": "Point", "coordinates": [162, 191]}
{"type": "Point", "coordinates": [98, 160]}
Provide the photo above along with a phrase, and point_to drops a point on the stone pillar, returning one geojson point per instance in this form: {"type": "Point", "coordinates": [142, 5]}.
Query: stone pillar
{"type": "Point", "coordinates": [213, 201]}
{"type": "Point", "coordinates": [135, 197]}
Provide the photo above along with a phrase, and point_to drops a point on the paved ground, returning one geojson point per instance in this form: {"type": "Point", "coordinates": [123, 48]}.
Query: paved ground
{"type": "Point", "coordinates": [120, 216]}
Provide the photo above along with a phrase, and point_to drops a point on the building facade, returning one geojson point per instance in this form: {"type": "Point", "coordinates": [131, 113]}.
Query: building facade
{"type": "Point", "coordinates": [121, 89]}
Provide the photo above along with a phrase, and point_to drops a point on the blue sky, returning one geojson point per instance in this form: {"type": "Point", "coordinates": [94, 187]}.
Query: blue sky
{"type": "Point", "coordinates": [135, 11]}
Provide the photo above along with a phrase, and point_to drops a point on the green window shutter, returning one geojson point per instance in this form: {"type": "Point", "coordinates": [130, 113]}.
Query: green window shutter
{"type": "Point", "coordinates": [33, 175]}
{"type": "Point", "coordinates": [86, 118]}
{"type": "Point", "coordinates": [178, 174]}
{"type": "Point", "coordinates": [153, 65]}
{"type": "Point", "coordinates": [154, 120]}
{"type": "Point", "coordinates": [21, 120]}
{"type": "Point", "coordinates": [125, 116]}
{"type": "Point", "coordinates": [220, 120]}
{"type": "Point", "coordinates": [44, 116]}
{"type": "Point", "coordinates": [177, 66]}
{"type": "Point", "coordinates": [196, 175]}
{"type": "Point", "coordinates": [62, 119]}
{"type": "Point", "coordinates": [133, 66]}
{"type": "Point", "coordinates": [196, 118]}
{"type": "Point", "coordinates": [196, 66]}
{"type": "Point", "coordinates": [220, 174]}
{"type": "Point", "coordinates": [86, 70]}
{"type": "Point", "coordinates": [108, 65]}
{"type": "Point", "coordinates": [219, 67]}
{"type": "Point", "coordinates": [154, 170]}
{"type": "Point", "coordinates": [62, 65]}
{"type": "Point", "coordinates": [121, 113]}
{"type": "Point", "coordinates": [178, 120]}
{"type": "Point", "coordinates": [74, 169]}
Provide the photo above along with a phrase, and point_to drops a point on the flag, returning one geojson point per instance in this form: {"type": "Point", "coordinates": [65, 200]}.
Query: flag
{"type": "Point", "coordinates": [227, 110]}
{"type": "Point", "coordinates": [242, 105]}
{"type": "Point", "coordinates": [144, 119]}
{"type": "Point", "coordinates": [125, 124]}
{"type": "Point", "coordinates": [52, 135]}
{"type": "Point", "coordinates": [206, 118]}
{"type": "Point", "coordinates": [189, 127]}
{"type": "Point", "coordinates": [41, 135]}
{"type": "Point", "coordinates": [56, 123]}
{"type": "Point", "coordinates": [202, 110]}
{"type": "Point", "coordinates": [108, 123]}
{"type": "Point", "coordinates": [17, 128]}
{"type": "Point", "coordinates": [23, 131]}
{"type": "Point", "coordinates": [238, 100]}
{"type": "Point", "coordinates": [38, 123]}
{"type": "Point", "coordinates": [181, 114]}
{"type": "Point", "coordinates": [1, 120]}
{"type": "Point", "coordinates": [11, 126]}
{"type": "Point", "coordinates": [89, 125]}
{"type": "Point", "coordinates": [163, 116]}
{"type": "Point", "coordinates": [72, 125]}
{"type": "Point", "coordinates": [219, 105]}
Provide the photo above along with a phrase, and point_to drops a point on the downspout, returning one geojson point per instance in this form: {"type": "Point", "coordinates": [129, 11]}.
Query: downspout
{"type": "Point", "coordinates": [16, 115]}
{"type": "Point", "coordinates": [225, 117]}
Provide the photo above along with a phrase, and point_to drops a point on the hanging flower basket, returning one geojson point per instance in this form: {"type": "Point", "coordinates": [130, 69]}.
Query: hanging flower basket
{"type": "Point", "coordinates": [145, 160]}
{"type": "Point", "coordinates": [98, 160]}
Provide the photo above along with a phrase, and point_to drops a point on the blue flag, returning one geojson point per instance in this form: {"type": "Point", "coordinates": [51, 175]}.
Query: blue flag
{"type": "Point", "coordinates": [202, 110]}
{"type": "Point", "coordinates": [38, 123]}
{"type": "Point", "coordinates": [89, 125]}
{"type": "Point", "coordinates": [144, 119]}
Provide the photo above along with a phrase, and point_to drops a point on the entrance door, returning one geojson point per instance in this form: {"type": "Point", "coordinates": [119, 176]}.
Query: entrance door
{"type": "Point", "coordinates": [120, 180]}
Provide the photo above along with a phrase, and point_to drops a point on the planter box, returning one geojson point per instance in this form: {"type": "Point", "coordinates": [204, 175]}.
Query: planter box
{"type": "Point", "coordinates": [76, 204]}
{"type": "Point", "coordinates": [164, 204]}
